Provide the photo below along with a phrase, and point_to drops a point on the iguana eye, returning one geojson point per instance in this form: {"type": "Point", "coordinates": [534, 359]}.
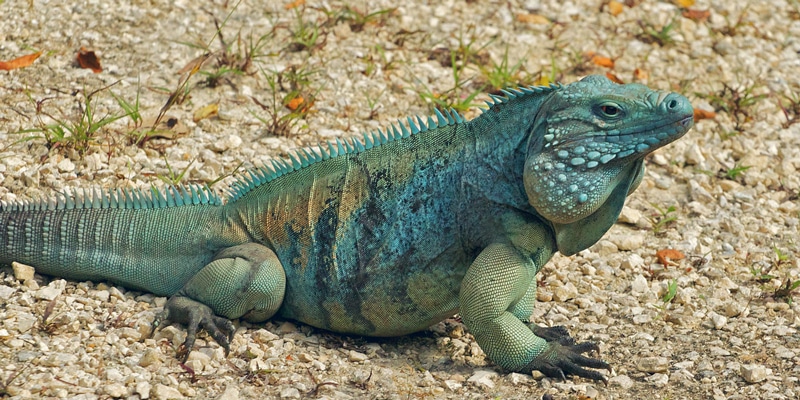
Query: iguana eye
{"type": "Point", "coordinates": [610, 110]}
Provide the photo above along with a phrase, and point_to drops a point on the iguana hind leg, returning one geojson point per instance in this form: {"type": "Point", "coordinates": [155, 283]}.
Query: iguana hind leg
{"type": "Point", "coordinates": [245, 281]}
{"type": "Point", "coordinates": [496, 299]}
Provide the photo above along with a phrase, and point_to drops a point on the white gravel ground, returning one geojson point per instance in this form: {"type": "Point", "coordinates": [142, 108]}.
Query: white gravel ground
{"type": "Point", "coordinates": [726, 334]}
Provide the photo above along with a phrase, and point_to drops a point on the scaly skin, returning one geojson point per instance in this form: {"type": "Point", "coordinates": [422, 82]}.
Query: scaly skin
{"type": "Point", "coordinates": [384, 239]}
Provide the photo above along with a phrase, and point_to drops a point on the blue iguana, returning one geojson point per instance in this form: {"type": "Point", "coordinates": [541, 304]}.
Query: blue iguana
{"type": "Point", "coordinates": [383, 235]}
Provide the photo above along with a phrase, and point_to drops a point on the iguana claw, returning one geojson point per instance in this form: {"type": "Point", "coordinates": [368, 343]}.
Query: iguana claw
{"type": "Point", "coordinates": [557, 334]}
{"type": "Point", "coordinates": [559, 360]}
{"type": "Point", "coordinates": [195, 315]}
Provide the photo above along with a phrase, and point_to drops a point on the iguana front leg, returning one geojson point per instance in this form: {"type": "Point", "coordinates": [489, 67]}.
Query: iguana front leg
{"type": "Point", "coordinates": [496, 300]}
{"type": "Point", "coordinates": [245, 281]}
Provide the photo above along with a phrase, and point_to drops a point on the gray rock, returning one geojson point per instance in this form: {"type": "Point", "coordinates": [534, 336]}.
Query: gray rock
{"type": "Point", "coordinates": [658, 380]}
{"type": "Point", "coordinates": [623, 381]}
{"type": "Point", "coordinates": [164, 392]}
{"type": "Point", "coordinates": [753, 373]}
{"type": "Point", "coordinates": [354, 356]}
{"type": "Point", "coordinates": [143, 389]}
{"type": "Point", "coordinates": [115, 390]}
{"type": "Point", "coordinates": [483, 378]}
{"type": "Point", "coordinates": [230, 393]}
{"type": "Point", "coordinates": [6, 292]}
{"type": "Point", "coordinates": [51, 291]}
{"type": "Point", "coordinates": [22, 272]}
{"type": "Point", "coordinates": [290, 393]}
{"type": "Point", "coordinates": [652, 364]}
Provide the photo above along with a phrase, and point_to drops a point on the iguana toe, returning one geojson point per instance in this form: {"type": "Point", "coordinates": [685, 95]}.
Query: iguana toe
{"type": "Point", "coordinates": [560, 361]}
{"type": "Point", "coordinates": [557, 334]}
{"type": "Point", "coordinates": [195, 315]}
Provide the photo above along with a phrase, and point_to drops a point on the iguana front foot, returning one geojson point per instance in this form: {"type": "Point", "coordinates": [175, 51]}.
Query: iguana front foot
{"type": "Point", "coordinates": [559, 360]}
{"type": "Point", "coordinates": [195, 315]}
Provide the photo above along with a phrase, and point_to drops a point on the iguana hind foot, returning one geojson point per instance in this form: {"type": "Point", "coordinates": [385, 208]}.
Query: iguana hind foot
{"type": "Point", "coordinates": [245, 281]}
{"type": "Point", "coordinates": [195, 315]}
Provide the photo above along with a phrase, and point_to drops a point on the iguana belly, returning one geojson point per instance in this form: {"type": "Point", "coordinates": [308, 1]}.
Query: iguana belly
{"type": "Point", "coordinates": [378, 299]}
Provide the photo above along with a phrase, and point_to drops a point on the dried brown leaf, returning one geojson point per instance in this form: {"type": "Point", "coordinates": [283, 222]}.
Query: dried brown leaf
{"type": "Point", "coordinates": [533, 19]}
{"type": "Point", "coordinates": [615, 8]}
{"type": "Point", "coordinates": [19, 62]}
{"type": "Point", "coordinates": [89, 60]}
{"type": "Point", "coordinates": [665, 255]}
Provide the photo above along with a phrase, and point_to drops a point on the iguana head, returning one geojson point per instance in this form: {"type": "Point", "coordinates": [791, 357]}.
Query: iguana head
{"type": "Point", "coordinates": [586, 150]}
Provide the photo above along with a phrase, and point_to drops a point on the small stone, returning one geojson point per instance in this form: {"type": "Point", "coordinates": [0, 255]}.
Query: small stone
{"type": "Point", "coordinates": [51, 291]}
{"type": "Point", "coordinates": [652, 364]}
{"type": "Point", "coordinates": [623, 381]}
{"type": "Point", "coordinates": [319, 365]}
{"type": "Point", "coordinates": [143, 389]}
{"type": "Point", "coordinates": [59, 360]}
{"type": "Point", "coordinates": [22, 272]}
{"type": "Point", "coordinates": [66, 165]}
{"type": "Point", "coordinates": [518, 379]}
{"type": "Point", "coordinates": [102, 295]}
{"type": "Point", "coordinates": [717, 321]}
{"type": "Point", "coordinates": [605, 248]}
{"type": "Point", "coordinates": [264, 336]}
{"type": "Point", "coordinates": [355, 356]}
{"type": "Point", "coordinates": [560, 294]}
{"type": "Point", "coordinates": [305, 357]}
{"type": "Point", "coordinates": [164, 392]}
{"type": "Point", "coordinates": [6, 292]}
{"type": "Point", "coordinates": [290, 393]}
{"type": "Point", "coordinates": [287, 327]}
{"type": "Point", "coordinates": [632, 241]}
{"type": "Point", "coordinates": [633, 262]}
{"type": "Point", "coordinates": [452, 385]}
{"type": "Point", "coordinates": [25, 322]}
{"type": "Point", "coordinates": [483, 377]}
{"type": "Point", "coordinates": [629, 216]}
{"type": "Point", "coordinates": [115, 390]}
{"type": "Point", "coordinates": [753, 373]}
{"type": "Point", "coordinates": [639, 285]}
{"type": "Point", "coordinates": [230, 393]}
{"type": "Point", "coordinates": [113, 374]}
{"type": "Point", "coordinates": [149, 358]}
{"type": "Point", "coordinates": [658, 380]}
{"type": "Point", "coordinates": [694, 156]}
{"type": "Point", "coordinates": [187, 389]}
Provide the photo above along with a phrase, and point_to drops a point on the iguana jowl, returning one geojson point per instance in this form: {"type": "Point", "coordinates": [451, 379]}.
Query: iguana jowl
{"type": "Point", "coordinates": [384, 235]}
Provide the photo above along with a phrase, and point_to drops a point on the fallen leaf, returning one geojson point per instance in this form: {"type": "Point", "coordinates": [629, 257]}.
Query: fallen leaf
{"type": "Point", "coordinates": [603, 61]}
{"type": "Point", "coordinates": [641, 75]}
{"type": "Point", "coordinates": [533, 19]}
{"type": "Point", "coordinates": [87, 59]}
{"type": "Point", "coordinates": [696, 15]}
{"type": "Point", "coordinates": [615, 8]}
{"type": "Point", "coordinates": [168, 128]}
{"type": "Point", "coordinates": [684, 3]}
{"type": "Point", "coordinates": [614, 78]}
{"type": "Point", "coordinates": [299, 104]}
{"type": "Point", "coordinates": [195, 64]}
{"type": "Point", "coordinates": [703, 114]}
{"type": "Point", "coordinates": [294, 4]}
{"type": "Point", "coordinates": [543, 80]}
{"type": "Point", "coordinates": [665, 255]}
{"type": "Point", "coordinates": [208, 111]}
{"type": "Point", "coordinates": [19, 62]}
